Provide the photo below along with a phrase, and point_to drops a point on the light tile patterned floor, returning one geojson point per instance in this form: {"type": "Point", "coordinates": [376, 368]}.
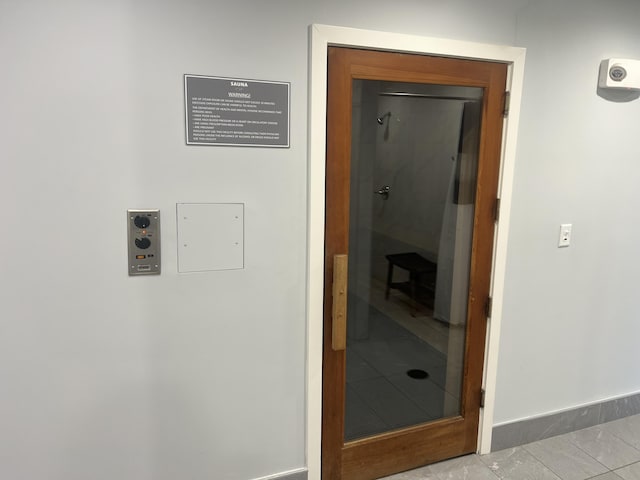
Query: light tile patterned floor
{"type": "Point", "coordinates": [610, 451]}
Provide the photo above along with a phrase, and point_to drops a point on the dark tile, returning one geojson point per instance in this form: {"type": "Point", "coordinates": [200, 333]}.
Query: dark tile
{"type": "Point", "coordinates": [390, 404]}
{"type": "Point", "coordinates": [381, 356]}
{"type": "Point", "coordinates": [382, 327]}
{"type": "Point", "coordinates": [438, 375]}
{"type": "Point", "coordinates": [360, 419]}
{"type": "Point", "coordinates": [379, 325]}
{"type": "Point", "coordinates": [358, 368]}
{"type": "Point", "coordinates": [398, 355]}
{"type": "Point", "coordinates": [427, 395]}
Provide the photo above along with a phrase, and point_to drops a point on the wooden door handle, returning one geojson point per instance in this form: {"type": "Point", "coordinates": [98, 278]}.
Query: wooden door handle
{"type": "Point", "coordinates": [339, 310]}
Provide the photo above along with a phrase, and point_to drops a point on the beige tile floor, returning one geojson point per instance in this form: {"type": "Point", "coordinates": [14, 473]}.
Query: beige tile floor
{"type": "Point", "coordinates": [610, 451]}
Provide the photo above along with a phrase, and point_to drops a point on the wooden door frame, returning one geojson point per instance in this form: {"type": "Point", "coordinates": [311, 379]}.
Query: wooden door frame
{"type": "Point", "coordinates": [321, 37]}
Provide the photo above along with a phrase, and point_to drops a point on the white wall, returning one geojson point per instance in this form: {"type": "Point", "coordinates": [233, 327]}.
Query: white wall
{"type": "Point", "coordinates": [570, 321]}
{"type": "Point", "coordinates": [202, 375]}
{"type": "Point", "coordinates": [178, 376]}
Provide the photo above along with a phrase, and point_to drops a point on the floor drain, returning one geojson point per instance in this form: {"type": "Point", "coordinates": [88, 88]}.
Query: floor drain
{"type": "Point", "coordinates": [418, 374]}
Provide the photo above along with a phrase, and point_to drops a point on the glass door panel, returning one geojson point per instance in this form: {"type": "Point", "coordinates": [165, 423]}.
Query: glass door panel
{"type": "Point", "coordinates": [414, 157]}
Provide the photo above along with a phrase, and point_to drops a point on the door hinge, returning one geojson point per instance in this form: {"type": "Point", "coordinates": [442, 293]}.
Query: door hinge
{"type": "Point", "coordinates": [496, 210]}
{"type": "Point", "coordinates": [482, 396]}
{"type": "Point", "coordinates": [507, 104]}
{"type": "Point", "coordinates": [487, 307]}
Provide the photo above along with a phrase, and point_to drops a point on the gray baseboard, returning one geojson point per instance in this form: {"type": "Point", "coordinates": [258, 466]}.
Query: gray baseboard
{"type": "Point", "coordinates": [300, 474]}
{"type": "Point", "coordinates": [539, 428]}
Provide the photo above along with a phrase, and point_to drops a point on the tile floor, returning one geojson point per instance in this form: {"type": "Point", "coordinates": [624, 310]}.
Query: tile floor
{"type": "Point", "coordinates": [380, 395]}
{"type": "Point", "coordinates": [610, 451]}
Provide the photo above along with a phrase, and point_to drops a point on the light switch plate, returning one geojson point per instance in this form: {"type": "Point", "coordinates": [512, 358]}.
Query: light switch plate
{"type": "Point", "coordinates": [143, 239]}
{"type": "Point", "coordinates": [565, 235]}
{"type": "Point", "coordinates": [210, 236]}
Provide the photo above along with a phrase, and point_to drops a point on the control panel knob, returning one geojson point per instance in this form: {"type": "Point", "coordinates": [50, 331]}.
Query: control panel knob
{"type": "Point", "coordinates": [141, 222]}
{"type": "Point", "coordinates": [143, 243]}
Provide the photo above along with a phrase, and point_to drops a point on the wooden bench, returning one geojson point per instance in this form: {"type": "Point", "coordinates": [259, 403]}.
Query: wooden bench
{"type": "Point", "coordinates": [422, 274]}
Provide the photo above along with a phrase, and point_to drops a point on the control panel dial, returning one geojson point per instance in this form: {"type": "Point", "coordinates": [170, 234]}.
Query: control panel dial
{"type": "Point", "coordinates": [141, 222]}
{"type": "Point", "coordinates": [143, 243]}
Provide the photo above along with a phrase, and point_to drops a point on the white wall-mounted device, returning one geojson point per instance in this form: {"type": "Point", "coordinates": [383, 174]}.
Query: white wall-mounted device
{"type": "Point", "coordinates": [565, 235]}
{"type": "Point", "coordinates": [619, 73]}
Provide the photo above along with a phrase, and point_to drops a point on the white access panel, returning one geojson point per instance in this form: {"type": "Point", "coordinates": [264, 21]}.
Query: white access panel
{"type": "Point", "coordinates": [210, 236]}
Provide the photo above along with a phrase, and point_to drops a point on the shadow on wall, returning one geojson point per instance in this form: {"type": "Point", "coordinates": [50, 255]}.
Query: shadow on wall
{"type": "Point", "coordinates": [618, 96]}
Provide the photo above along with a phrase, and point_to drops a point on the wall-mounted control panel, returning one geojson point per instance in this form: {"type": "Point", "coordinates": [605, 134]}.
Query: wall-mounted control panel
{"type": "Point", "coordinates": [144, 242]}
